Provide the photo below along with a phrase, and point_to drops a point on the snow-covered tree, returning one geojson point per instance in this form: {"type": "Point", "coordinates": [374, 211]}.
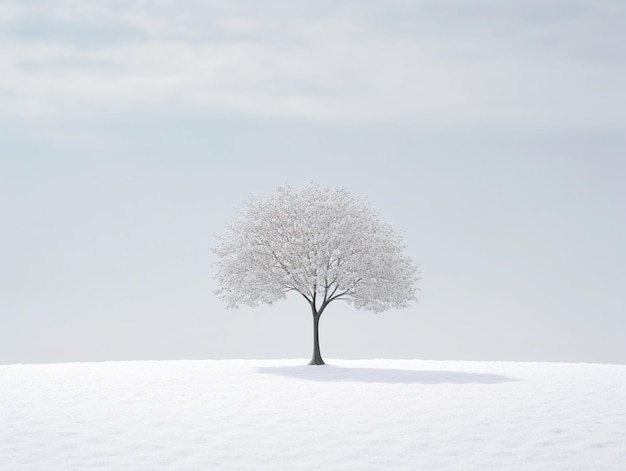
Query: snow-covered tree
{"type": "Point", "coordinates": [319, 242]}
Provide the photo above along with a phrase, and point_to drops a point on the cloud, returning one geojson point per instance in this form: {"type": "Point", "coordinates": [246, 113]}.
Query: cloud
{"type": "Point", "coordinates": [75, 32]}
{"type": "Point", "coordinates": [524, 63]}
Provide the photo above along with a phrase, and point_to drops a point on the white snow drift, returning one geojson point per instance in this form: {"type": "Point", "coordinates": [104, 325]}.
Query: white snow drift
{"type": "Point", "coordinates": [283, 415]}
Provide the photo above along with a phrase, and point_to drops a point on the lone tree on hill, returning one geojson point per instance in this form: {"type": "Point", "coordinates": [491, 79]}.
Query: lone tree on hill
{"type": "Point", "coordinates": [319, 242]}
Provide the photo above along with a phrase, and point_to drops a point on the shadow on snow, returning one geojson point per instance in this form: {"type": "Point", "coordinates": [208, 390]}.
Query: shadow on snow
{"type": "Point", "coordinates": [381, 375]}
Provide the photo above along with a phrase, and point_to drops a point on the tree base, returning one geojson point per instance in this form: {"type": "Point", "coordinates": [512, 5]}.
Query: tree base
{"type": "Point", "coordinates": [316, 361]}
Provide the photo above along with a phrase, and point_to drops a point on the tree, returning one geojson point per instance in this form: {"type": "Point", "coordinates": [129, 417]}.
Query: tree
{"type": "Point", "coordinates": [319, 242]}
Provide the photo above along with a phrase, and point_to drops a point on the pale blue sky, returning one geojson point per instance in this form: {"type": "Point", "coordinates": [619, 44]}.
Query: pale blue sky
{"type": "Point", "coordinates": [491, 134]}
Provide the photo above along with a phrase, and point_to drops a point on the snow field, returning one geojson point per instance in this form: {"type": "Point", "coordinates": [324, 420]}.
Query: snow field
{"type": "Point", "coordinates": [285, 415]}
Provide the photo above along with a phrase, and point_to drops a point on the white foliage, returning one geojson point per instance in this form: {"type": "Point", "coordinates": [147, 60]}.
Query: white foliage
{"type": "Point", "coordinates": [320, 242]}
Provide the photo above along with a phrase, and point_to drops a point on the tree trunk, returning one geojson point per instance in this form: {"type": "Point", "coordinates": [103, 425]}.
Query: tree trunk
{"type": "Point", "coordinates": [317, 356]}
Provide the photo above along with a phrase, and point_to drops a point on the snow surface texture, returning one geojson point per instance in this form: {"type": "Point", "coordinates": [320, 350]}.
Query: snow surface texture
{"type": "Point", "coordinates": [284, 415]}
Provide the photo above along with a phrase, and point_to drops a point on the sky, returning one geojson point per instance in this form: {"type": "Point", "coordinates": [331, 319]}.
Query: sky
{"type": "Point", "coordinates": [491, 134]}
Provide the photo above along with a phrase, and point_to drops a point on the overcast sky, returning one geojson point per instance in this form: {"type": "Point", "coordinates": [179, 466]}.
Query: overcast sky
{"type": "Point", "coordinates": [490, 133]}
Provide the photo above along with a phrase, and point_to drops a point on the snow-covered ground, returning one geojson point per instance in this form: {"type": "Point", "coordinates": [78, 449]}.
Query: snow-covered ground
{"type": "Point", "coordinates": [284, 415]}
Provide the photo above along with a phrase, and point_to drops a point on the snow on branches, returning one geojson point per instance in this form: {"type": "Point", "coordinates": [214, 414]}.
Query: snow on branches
{"type": "Point", "coordinates": [319, 242]}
